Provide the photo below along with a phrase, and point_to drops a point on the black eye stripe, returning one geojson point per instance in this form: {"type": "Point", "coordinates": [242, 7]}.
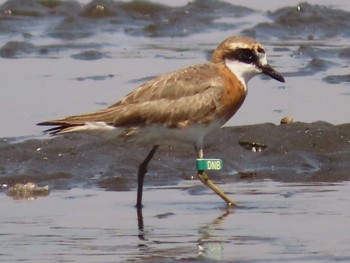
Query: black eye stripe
{"type": "Point", "coordinates": [244, 55]}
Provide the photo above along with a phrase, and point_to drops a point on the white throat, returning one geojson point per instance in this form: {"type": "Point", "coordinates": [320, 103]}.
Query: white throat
{"type": "Point", "coordinates": [243, 71]}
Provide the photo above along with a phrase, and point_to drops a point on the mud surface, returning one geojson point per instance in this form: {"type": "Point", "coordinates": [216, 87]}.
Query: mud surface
{"type": "Point", "coordinates": [298, 152]}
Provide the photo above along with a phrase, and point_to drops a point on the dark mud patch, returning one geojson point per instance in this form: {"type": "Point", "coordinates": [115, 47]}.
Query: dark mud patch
{"type": "Point", "coordinates": [99, 77]}
{"type": "Point", "coordinates": [38, 8]}
{"type": "Point", "coordinates": [304, 20]}
{"type": "Point", "coordinates": [313, 67]}
{"type": "Point", "coordinates": [20, 49]}
{"type": "Point", "coordinates": [14, 49]}
{"type": "Point", "coordinates": [298, 152]}
{"type": "Point", "coordinates": [90, 55]}
{"type": "Point", "coordinates": [72, 20]}
{"type": "Point", "coordinates": [337, 79]}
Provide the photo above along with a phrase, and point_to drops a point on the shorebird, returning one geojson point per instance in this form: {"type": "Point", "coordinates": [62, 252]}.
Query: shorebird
{"type": "Point", "coordinates": [180, 107]}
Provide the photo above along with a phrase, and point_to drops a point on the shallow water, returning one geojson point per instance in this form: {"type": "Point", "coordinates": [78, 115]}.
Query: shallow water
{"type": "Point", "coordinates": [278, 222]}
{"type": "Point", "coordinates": [62, 58]}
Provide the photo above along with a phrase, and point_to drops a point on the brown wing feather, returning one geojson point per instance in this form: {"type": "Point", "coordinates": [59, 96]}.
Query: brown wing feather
{"type": "Point", "coordinates": [182, 83]}
{"type": "Point", "coordinates": [165, 99]}
{"type": "Point", "coordinates": [198, 108]}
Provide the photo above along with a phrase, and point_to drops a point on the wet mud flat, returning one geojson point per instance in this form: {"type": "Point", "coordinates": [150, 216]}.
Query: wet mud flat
{"type": "Point", "coordinates": [297, 152]}
{"type": "Point", "coordinates": [291, 182]}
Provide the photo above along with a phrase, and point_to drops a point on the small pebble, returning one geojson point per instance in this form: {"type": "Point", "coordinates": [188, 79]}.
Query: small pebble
{"type": "Point", "coordinates": [287, 120]}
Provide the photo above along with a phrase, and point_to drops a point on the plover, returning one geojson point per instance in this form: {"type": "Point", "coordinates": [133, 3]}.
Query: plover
{"type": "Point", "coordinates": [180, 107]}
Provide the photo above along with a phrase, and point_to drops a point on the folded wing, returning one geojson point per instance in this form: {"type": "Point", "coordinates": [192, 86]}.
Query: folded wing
{"type": "Point", "coordinates": [164, 100]}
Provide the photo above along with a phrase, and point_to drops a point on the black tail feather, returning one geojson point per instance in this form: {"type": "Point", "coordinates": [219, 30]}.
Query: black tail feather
{"type": "Point", "coordinates": [55, 130]}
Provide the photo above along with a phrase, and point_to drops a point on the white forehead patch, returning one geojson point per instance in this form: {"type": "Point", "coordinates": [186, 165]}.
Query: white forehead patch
{"type": "Point", "coordinates": [236, 45]}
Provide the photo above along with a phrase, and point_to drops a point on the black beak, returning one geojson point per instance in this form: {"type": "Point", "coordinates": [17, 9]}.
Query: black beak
{"type": "Point", "coordinates": [268, 70]}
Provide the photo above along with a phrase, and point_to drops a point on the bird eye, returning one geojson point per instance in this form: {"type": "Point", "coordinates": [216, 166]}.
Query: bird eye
{"type": "Point", "coordinates": [261, 50]}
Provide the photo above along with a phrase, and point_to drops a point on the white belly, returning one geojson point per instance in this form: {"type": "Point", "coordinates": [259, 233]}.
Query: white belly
{"type": "Point", "coordinates": [152, 134]}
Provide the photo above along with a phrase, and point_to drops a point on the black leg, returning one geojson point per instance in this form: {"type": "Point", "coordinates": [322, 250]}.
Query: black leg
{"type": "Point", "coordinates": [141, 175]}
